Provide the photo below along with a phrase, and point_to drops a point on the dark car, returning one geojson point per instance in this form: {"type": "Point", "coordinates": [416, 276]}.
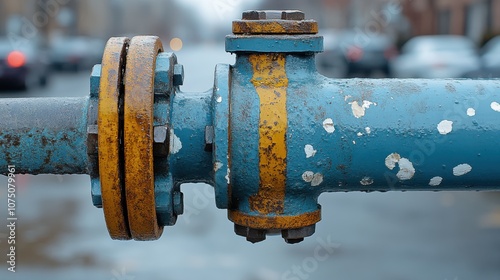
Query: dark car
{"type": "Point", "coordinates": [22, 66]}
{"type": "Point", "coordinates": [357, 54]}
{"type": "Point", "coordinates": [76, 52]}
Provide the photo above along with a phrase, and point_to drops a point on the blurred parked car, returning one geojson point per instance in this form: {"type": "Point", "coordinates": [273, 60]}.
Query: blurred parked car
{"type": "Point", "coordinates": [438, 56]}
{"type": "Point", "coordinates": [356, 53]}
{"type": "Point", "coordinates": [490, 61]}
{"type": "Point", "coordinates": [76, 53]}
{"type": "Point", "coordinates": [23, 65]}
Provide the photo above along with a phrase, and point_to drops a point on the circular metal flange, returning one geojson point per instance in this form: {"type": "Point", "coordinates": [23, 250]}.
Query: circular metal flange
{"type": "Point", "coordinates": [109, 138]}
{"type": "Point", "coordinates": [138, 137]}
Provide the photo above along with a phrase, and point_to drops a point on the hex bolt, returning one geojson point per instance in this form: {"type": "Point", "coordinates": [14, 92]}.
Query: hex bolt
{"type": "Point", "coordinates": [252, 235]}
{"type": "Point", "coordinates": [273, 15]}
{"type": "Point", "coordinates": [92, 139]}
{"type": "Point", "coordinates": [178, 75]}
{"type": "Point", "coordinates": [293, 236]}
{"type": "Point", "coordinates": [178, 201]}
{"type": "Point", "coordinates": [209, 138]}
{"type": "Point", "coordinates": [256, 235]}
{"type": "Point", "coordinates": [160, 141]}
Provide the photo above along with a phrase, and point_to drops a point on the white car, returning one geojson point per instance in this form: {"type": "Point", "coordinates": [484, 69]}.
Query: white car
{"type": "Point", "coordinates": [439, 56]}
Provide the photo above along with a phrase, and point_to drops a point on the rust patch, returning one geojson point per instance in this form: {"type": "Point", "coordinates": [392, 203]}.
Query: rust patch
{"type": "Point", "coordinates": [275, 222]}
{"type": "Point", "coordinates": [271, 84]}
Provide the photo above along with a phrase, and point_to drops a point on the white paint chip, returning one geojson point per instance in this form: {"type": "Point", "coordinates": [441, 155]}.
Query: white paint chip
{"type": "Point", "coordinates": [219, 99]}
{"type": "Point", "coordinates": [368, 130]}
{"type": "Point", "coordinates": [347, 97]}
{"type": "Point", "coordinates": [391, 160]}
{"type": "Point", "coordinates": [359, 110]}
{"type": "Point", "coordinates": [317, 180]}
{"type": "Point", "coordinates": [445, 127]}
{"type": "Point", "coordinates": [436, 181]}
{"type": "Point", "coordinates": [310, 151]}
{"type": "Point", "coordinates": [471, 112]}
{"type": "Point", "coordinates": [406, 169]}
{"type": "Point", "coordinates": [308, 176]}
{"type": "Point", "coordinates": [314, 178]}
{"type": "Point", "coordinates": [218, 165]}
{"type": "Point", "coordinates": [228, 178]}
{"type": "Point", "coordinates": [175, 143]}
{"type": "Point", "coordinates": [495, 106]}
{"type": "Point", "coordinates": [328, 125]}
{"type": "Point", "coordinates": [462, 169]}
{"type": "Point", "coordinates": [359, 134]}
{"type": "Point", "coordinates": [366, 181]}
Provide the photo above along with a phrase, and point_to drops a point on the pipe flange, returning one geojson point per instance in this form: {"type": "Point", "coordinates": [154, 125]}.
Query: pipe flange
{"type": "Point", "coordinates": [138, 137]}
{"type": "Point", "coordinates": [110, 136]}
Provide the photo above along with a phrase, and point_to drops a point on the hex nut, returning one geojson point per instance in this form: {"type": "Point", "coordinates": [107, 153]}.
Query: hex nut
{"type": "Point", "coordinates": [178, 201]}
{"type": "Point", "coordinates": [178, 75]}
{"type": "Point", "coordinates": [161, 141]}
{"type": "Point", "coordinates": [273, 15]}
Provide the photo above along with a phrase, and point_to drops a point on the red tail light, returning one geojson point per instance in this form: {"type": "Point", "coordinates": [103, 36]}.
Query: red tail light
{"type": "Point", "coordinates": [16, 59]}
{"type": "Point", "coordinates": [355, 54]}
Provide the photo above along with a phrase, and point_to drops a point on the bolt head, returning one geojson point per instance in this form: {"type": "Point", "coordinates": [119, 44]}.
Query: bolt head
{"type": "Point", "coordinates": [178, 198]}
{"type": "Point", "coordinates": [273, 15]}
{"type": "Point", "coordinates": [161, 141]}
{"type": "Point", "coordinates": [95, 80]}
{"type": "Point", "coordinates": [178, 75]}
{"type": "Point", "coordinates": [293, 236]}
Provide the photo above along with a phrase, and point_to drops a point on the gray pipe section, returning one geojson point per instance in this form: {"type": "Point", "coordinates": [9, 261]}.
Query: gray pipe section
{"type": "Point", "coordinates": [44, 135]}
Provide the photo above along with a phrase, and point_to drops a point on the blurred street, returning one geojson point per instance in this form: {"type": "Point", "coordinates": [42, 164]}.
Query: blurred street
{"type": "Point", "coordinates": [377, 236]}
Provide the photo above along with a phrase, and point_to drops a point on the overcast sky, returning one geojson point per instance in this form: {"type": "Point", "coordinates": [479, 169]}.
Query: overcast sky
{"type": "Point", "coordinates": [218, 12]}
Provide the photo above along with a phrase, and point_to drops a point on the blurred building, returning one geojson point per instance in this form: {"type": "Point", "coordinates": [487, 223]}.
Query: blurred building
{"type": "Point", "coordinates": [476, 19]}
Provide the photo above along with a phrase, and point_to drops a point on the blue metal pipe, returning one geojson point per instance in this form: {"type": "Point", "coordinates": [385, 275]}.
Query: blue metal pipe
{"type": "Point", "coordinates": [44, 135]}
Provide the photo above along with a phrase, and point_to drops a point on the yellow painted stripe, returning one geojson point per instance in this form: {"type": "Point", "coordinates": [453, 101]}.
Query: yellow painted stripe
{"type": "Point", "coordinates": [271, 82]}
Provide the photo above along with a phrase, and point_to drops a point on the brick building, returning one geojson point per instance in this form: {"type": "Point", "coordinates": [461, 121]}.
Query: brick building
{"type": "Point", "coordinates": [473, 18]}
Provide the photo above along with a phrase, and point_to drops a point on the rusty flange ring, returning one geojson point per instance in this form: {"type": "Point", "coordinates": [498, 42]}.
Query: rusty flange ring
{"type": "Point", "coordinates": [109, 135]}
{"type": "Point", "coordinates": [138, 137]}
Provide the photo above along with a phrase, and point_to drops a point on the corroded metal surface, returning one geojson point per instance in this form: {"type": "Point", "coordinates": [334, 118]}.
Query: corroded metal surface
{"type": "Point", "coordinates": [111, 171]}
{"type": "Point", "coordinates": [44, 135]}
{"type": "Point", "coordinates": [270, 82]}
{"type": "Point", "coordinates": [275, 27]}
{"type": "Point", "coordinates": [138, 137]}
{"type": "Point", "coordinates": [275, 222]}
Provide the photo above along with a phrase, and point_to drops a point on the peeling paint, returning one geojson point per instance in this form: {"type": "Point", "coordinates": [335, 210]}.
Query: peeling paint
{"type": "Point", "coordinates": [462, 169]}
{"type": "Point", "coordinates": [317, 180]}
{"type": "Point", "coordinates": [366, 181]}
{"type": "Point", "coordinates": [359, 110]}
{"type": "Point", "coordinates": [471, 112]}
{"type": "Point", "coordinates": [175, 143]}
{"type": "Point", "coordinates": [391, 160]}
{"type": "Point", "coordinates": [406, 169]}
{"type": "Point", "coordinates": [218, 165]}
{"type": "Point", "coordinates": [495, 106]}
{"type": "Point", "coordinates": [228, 179]}
{"type": "Point", "coordinates": [359, 134]}
{"type": "Point", "coordinates": [347, 97]}
{"type": "Point", "coordinates": [368, 130]}
{"type": "Point", "coordinates": [314, 178]}
{"type": "Point", "coordinates": [445, 127]}
{"type": "Point", "coordinates": [328, 125]}
{"type": "Point", "coordinates": [354, 142]}
{"type": "Point", "coordinates": [219, 99]}
{"type": "Point", "coordinates": [436, 181]}
{"type": "Point", "coordinates": [310, 151]}
{"type": "Point", "coordinates": [308, 176]}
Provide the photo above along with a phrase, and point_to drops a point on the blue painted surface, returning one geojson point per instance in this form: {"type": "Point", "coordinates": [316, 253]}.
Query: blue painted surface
{"type": "Point", "coordinates": [190, 114]}
{"type": "Point", "coordinates": [281, 44]}
{"type": "Point", "coordinates": [403, 118]}
{"type": "Point", "coordinates": [39, 139]}
{"type": "Point", "coordinates": [220, 105]}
